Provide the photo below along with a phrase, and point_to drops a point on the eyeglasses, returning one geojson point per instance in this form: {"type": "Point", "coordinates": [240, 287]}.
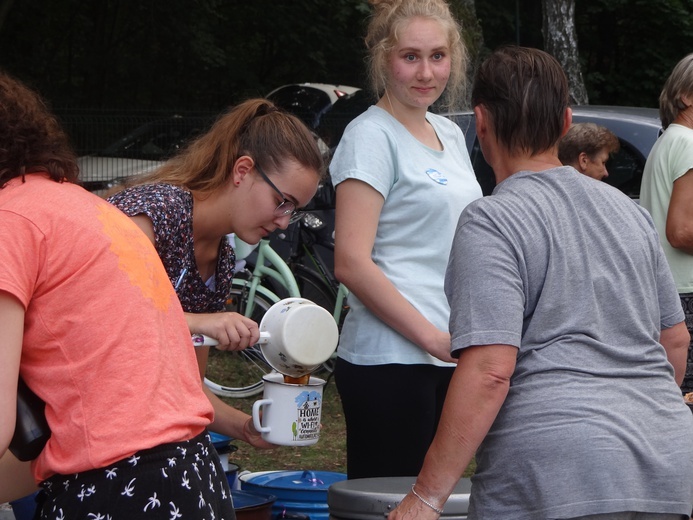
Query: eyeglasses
{"type": "Point", "coordinates": [286, 207]}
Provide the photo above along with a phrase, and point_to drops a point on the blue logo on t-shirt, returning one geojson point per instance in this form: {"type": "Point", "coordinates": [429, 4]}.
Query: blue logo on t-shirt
{"type": "Point", "coordinates": [436, 176]}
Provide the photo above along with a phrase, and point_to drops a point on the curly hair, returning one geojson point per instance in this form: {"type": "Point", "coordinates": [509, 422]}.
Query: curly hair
{"type": "Point", "coordinates": [31, 139]}
{"type": "Point", "coordinates": [388, 20]}
{"type": "Point", "coordinates": [586, 138]}
{"type": "Point", "coordinates": [256, 128]}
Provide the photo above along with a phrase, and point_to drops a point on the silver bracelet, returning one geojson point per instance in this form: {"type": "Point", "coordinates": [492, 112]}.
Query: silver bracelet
{"type": "Point", "coordinates": [439, 511]}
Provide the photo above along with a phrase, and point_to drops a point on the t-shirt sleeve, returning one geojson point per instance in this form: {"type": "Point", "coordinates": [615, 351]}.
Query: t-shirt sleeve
{"type": "Point", "coordinates": [160, 203]}
{"type": "Point", "coordinates": [483, 286]}
{"type": "Point", "coordinates": [22, 252]}
{"type": "Point", "coordinates": [368, 153]}
{"type": "Point", "coordinates": [681, 157]}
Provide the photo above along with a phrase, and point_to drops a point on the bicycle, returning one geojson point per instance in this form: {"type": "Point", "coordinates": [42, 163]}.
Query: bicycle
{"type": "Point", "coordinates": [310, 241]}
{"type": "Point", "coordinates": [239, 374]}
{"type": "Point", "coordinates": [313, 272]}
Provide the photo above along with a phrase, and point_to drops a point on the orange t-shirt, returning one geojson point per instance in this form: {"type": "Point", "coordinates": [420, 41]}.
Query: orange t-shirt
{"type": "Point", "coordinates": [106, 345]}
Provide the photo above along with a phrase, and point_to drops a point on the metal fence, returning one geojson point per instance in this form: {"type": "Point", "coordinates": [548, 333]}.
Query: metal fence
{"type": "Point", "coordinates": [93, 130]}
{"type": "Point", "coordinates": [114, 144]}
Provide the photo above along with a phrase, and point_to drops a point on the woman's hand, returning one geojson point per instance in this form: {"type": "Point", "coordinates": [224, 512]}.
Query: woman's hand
{"type": "Point", "coordinates": [233, 331]}
{"type": "Point", "coordinates": [411, 507]}
{"type": "Point", "coordinates": [253, 437]}
{"type": "Point", "coordinates": [439, 346]}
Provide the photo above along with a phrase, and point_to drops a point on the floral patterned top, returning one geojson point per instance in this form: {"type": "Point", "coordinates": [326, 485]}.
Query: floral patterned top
{"type": "Point", "coordinates": [170, 210]}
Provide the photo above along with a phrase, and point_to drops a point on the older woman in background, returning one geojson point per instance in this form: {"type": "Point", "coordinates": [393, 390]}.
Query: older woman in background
{"type": "Point", "coordinates": [667, 188]}
{"type": "Point", "coordinates": [587, 148]}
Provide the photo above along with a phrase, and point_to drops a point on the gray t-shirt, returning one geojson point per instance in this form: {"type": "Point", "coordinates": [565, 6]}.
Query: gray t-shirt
{"type": "Point", "coordinates": [571, 272]}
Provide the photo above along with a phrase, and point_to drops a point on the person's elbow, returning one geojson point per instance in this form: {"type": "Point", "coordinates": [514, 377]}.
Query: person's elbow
{"type": "Point", "coordinates": [6, 434]}
{"type": "Point", "coordinates": [681, 237]}
{"type": "Point", "coordinates": [675, 341]}
{"type": "Point", "coordinates": [494, 364]}
{"type": "Point", "coordinates": [677, 337]}
{"type": "Point", "coordinates": [345, 268]}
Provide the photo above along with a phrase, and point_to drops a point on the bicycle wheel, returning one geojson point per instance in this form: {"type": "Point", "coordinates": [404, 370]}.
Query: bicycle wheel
{"type": "Point", "coordinates": [313, 288]}
{"type": "Point", "coordinates": [239, 374]}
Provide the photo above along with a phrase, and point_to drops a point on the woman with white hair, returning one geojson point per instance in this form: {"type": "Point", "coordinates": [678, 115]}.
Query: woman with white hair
{"type": "Point", "coordinates": [667, 188]}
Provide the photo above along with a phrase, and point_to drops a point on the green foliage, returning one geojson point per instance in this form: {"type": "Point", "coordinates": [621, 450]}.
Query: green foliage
{"type": "Point", "coordinates": [195, 54]}
{"type": "Point", "coordinates": [628, 48]}
{"type": "Point", "coordinates": [207, 54]}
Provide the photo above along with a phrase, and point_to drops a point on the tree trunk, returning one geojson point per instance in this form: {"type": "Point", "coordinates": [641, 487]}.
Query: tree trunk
{"type": "Point", "coordinates": [560, 40]}
{"type": "Point", "coordinates": [465, 12]}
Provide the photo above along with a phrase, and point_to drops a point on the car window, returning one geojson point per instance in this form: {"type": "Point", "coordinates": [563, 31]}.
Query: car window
{"type": "Point", "coordinates": [305, 102]}
{"type": "Point", "coordinates": [625, 170]}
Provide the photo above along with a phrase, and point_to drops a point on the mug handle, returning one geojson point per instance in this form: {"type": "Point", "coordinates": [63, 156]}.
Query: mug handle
{"type": "Point", "coordinates": [256, 415]}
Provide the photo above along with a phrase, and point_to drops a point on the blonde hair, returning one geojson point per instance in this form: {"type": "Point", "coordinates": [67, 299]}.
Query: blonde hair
{"type": "Point", "coordinates": [679, 82]}
{"type": "Point", "coordinates": [256, 128]}
{"type": "Point", "coordinates": [388, 20]}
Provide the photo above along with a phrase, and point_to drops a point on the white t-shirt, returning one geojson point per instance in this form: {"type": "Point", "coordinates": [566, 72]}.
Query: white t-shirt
{"type": "Point", "coordinates": [670, 158]}
{"type": "Point", "coordinates": [425, 191]}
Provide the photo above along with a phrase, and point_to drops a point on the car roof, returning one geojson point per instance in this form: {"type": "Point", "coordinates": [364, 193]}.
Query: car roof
{"type": "Point", "coordinates": [636, 127]}
{"type": "Point", "coordinates": [333, 91]}
{"type": "Point", "coordinates": [640, 126]}
{"type": "Point", "coordinates": [309, 101]}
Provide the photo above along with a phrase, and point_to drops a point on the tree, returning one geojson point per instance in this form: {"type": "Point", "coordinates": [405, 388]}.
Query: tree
{"type": "Point", "coordinates": [560, 40]}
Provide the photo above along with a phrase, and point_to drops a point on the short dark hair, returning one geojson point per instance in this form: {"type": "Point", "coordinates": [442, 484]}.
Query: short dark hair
{"type": "Point", "coordinates": [525, 93]}
{"type": "Point", "coordinates": [589, 138]}
{"type": "Point", "coordinates": [31, 139]}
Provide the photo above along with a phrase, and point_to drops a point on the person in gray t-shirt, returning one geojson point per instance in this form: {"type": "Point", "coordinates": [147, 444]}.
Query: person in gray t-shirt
{"type": "Point", "coordinates": [568, 330]}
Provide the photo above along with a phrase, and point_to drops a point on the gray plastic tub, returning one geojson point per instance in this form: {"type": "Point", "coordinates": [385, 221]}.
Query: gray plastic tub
{"type": "Point", "coordinates": [374, 498]}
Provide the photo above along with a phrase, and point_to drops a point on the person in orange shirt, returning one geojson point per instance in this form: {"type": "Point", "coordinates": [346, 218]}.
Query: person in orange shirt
{"type": "Point", "coordinates": [92, 324]}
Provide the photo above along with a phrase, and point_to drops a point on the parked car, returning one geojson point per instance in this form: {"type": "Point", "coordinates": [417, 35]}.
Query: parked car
{"type": "Point", "coordinates": [139, 151]}
{"type": "Point", "coordinates": [637, 130]}
{"type": "Point", "coordinates": [335, 120]}
{"type": "Point", "coordinates": [309, 101]}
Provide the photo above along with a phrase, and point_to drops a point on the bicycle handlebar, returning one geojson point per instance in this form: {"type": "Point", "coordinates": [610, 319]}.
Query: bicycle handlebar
{"type": "Point", "coordinates": [200, 340]}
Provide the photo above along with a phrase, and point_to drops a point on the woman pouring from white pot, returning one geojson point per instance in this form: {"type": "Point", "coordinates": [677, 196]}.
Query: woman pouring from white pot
{"type": "Point", "coordinates": [248, 175]}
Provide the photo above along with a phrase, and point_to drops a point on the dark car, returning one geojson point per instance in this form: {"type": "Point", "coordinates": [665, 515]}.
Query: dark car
{"type": "Point", "coordinates": [139, 151]}
{"type": "Point", "coordinates": [340, 114]}
{"type": "Point", "coordinates": [309, 101]}
{"type": "Point", "coordinates": [637, 130]}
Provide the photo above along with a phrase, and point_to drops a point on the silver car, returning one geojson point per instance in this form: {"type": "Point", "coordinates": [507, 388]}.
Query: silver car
{"type": "Point", "coordinates": [637, 130]}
